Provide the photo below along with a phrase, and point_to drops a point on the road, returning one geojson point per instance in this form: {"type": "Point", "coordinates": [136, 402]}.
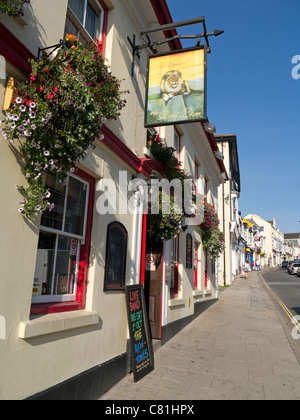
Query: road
{"type": "Point", "coordinates": [284, 289]}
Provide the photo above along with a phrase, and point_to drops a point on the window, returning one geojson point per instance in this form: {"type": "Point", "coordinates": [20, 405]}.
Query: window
{"type": "Point", "coordinates": [63, 246]}
{"type": "Point", "coordinates": [85, 19]}
{"type": "Point", "coordinates": [116, 255]}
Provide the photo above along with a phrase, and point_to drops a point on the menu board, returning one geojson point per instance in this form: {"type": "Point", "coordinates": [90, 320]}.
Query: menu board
{"type": "Point", "coordinates": [141, 345]}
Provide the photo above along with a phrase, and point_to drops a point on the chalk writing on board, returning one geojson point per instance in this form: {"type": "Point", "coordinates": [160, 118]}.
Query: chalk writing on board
{"type": "Point", "coordinates": [142, 352]}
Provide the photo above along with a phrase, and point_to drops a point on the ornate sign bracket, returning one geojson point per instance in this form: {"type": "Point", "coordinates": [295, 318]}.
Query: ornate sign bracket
{"type": "Point", "coordinates": [136, 49]}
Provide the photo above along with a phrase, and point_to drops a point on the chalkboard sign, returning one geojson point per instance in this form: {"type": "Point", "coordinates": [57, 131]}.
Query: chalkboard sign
{"type": "Point", "coordinates": [141, 345]}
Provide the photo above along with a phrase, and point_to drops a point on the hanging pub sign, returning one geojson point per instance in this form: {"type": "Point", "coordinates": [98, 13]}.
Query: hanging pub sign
{"type": "Point", "coordinates": [141, 344]}
{"type": "Point", "coordinates": [176, 87]}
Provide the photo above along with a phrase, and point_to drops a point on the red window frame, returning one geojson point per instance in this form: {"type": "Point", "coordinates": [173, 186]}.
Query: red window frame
{"type": "Point", "coordinates": [105, 10]}
{"type": "Point", "coordinates": [83, 269]}
{"type": "Point", "coordinates": [105, 23]}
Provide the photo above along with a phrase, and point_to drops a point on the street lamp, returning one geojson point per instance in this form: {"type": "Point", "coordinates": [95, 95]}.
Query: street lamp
{"type": "Point", "coordinates": [210, 128]}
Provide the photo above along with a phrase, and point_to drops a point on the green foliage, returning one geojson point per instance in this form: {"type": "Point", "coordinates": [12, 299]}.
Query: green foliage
{"type": "Point", "coordinates": [13, 7]}
{"type": "Point", "coordinates": [165, 155]}
{"type": "Point", "coordinates": [164, 226]}
{"type": "Point", "coordinates": [212, 237]}
{"type": "Point", "coordinates": [57, 113]}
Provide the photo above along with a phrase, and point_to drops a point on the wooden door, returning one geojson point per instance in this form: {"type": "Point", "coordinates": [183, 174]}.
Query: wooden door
{"type": "Point", "coordinates": [153, 291]}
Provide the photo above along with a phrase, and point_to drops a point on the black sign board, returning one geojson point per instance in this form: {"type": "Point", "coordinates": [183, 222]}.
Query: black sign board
{"type": "Point", "coordinates": [189, 251]}
{"type": "Point", "coordinates": [142, 351]}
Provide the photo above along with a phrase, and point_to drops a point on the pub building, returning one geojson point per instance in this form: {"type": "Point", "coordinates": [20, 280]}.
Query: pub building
{"type": "Point", "coordinates": [64, 330]}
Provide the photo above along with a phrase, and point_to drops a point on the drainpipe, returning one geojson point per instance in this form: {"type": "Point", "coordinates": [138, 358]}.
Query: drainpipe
{"type": "Point", "coordinates": [137, 236]}
{"type": "Point", "coordinates": [224, 223]}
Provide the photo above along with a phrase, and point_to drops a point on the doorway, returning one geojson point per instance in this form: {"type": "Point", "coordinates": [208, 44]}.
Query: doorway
{"type": "Point", "coordinates": [153, 291]}
{"type": "Point", "coordinates": [196, 264]}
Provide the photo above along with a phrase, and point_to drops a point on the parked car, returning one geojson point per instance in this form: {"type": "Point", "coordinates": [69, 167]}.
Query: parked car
{"type": "Point", "coordinates": [284, 264]}
{"type": "Point", "coordinates": [289, 265]}
{"type": "Point", "coordinates": [294, 268]}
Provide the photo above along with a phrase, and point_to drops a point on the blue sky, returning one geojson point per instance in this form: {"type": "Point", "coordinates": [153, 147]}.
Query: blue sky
{"type": "Point", "coordinates": [251, 93]}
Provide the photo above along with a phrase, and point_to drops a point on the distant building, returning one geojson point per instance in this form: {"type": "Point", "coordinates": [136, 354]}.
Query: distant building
{"type": "Point", "coordinates": [229, 194]}
{"type": "Point", "coordinates": [294, 240]}
{"type": "Point", "coordinates": [274, 240]}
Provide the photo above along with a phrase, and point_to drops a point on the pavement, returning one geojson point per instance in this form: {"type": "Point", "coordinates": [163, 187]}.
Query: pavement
{"type": "Point", "coordinates": [236, 350]}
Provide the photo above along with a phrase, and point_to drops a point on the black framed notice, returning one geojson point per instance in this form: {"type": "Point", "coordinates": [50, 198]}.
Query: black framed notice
{"type": "Point", "coordinates": [141, 344]}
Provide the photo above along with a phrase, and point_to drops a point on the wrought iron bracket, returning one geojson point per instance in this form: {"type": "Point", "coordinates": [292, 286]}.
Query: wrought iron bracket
{"type": "Point", "coordinates": [136, 49]}
{"type": "Point", "coordinates": [53, 47]}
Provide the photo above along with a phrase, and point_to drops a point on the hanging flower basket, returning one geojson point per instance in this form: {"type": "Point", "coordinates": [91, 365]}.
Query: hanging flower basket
{"type": "Point", "coordinates": [212, 237]}
{"type": "Point", "coordinates": [13, 7]}
{"type": "Point", "coordinates": [57, 114]}
{"type": "Point", "coordinates": [165, 155]}
{"type": "Point", "coordinates": [164, 225]}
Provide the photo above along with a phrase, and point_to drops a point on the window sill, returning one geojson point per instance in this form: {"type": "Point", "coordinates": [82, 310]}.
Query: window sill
{"type": "Point", "coordinates": [198, 293]}
{"type": "Point", "coordinates": [54, 323]}
{"type": "Point", "coordinates": [176, 302]}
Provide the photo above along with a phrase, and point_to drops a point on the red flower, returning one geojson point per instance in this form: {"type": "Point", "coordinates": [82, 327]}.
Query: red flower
{"type": "Point", "coordinates": [99, 45]}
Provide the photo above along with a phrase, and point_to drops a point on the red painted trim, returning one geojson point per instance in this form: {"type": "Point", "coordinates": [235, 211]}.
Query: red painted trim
{"type": "Point", "coordinates": [54, 308]}
{"type": "Point", "coordinates": [143, 253]}
{"type": "Point", "coordinates": [144, 166]}
{"type": "Point", "coordinates": [196, 264]}
{"type": "Point", "coordinates": [164, 17]}
{"type": "Point", "coordinates": [86, 248]}
{"type": "Point", "coordinates": [150, 165]}
{"type": "Point", "coordinates": [105, 25]}
{"type": "Point", "coordinates": [120, 149]}
{"type": "Point", "coordinates": [14, 51]}
{"type": "Point", "coordinates": [80, 302]}
{"type": "Point", "coordinates": [214, 147]}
